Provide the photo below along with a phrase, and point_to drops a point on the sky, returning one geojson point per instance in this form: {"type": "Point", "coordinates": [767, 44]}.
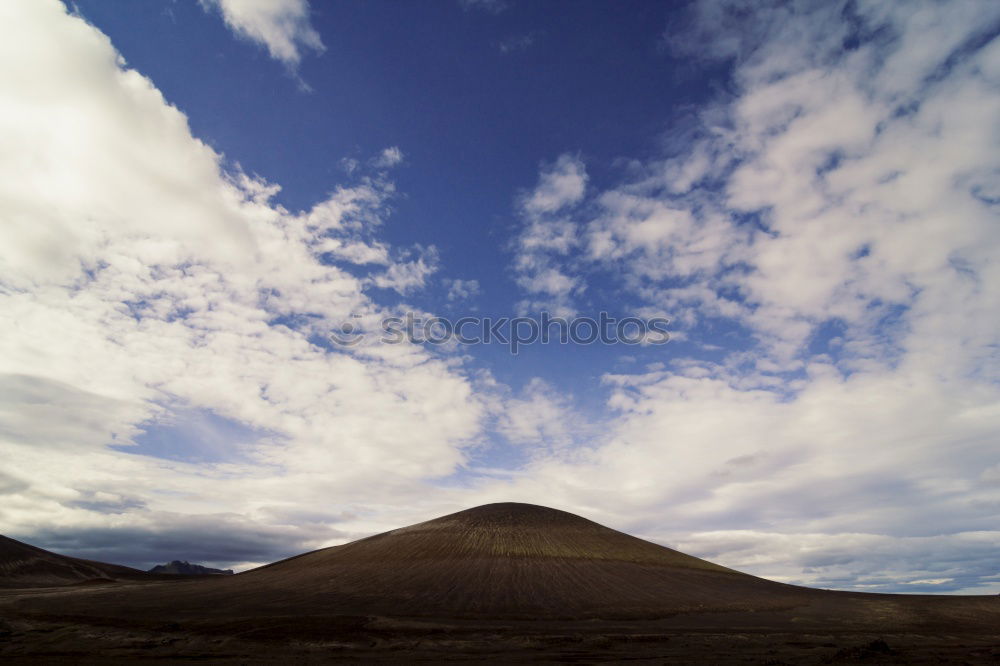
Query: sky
{"type": "Point", "coordinates": [195, 194]}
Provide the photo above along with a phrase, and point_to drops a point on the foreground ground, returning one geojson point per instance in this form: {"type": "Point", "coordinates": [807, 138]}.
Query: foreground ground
{"type": "Point", "coordinates": [794, 636]}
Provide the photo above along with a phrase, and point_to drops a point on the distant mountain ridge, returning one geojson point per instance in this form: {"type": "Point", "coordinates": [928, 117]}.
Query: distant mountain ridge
{"type": "Point", "coordinates": [185, 568]}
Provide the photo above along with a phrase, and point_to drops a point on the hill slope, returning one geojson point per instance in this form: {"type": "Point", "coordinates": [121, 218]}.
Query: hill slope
{"type": "Point", "coordinates": [499, 560]}
{"type": "Point", "coordinates": [498, 565]}
{"type": "Point", "coordinates": [23, 565]}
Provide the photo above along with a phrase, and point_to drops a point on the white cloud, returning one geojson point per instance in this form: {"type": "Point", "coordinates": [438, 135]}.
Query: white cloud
{"type": "Point", "coordinates": [389, 157]}
{"type": "Point", "coordinates": [517, 43]}
{"type": "Point", "coordinates": [835, 187]}
{"type": "Point", "coordinates": [488, 6]}
{"type": "Point", "coordinates": [407, 276]}
{"type": "Point", "coordinates": [548, 234]}
{"type": "Point", "coordinates": [869, 193]}
{"type": "Point", "coordinates": [461, 290]}
{"type": "Point", "coordinates": [954, 563]}
{"type": "Point", "coordinates": [560, 185]}
{"type": "Point", "coordinates": [354, 251]}
{"type": "Point", "coordinates": [540, 419]}
{"type": "Point", "coordinates": [349, 165]}
{"type": "Point", "coordinates": [281, 26]}
{"type": "Point", "coordinates": [84, 173]}
{"type": "Point", "coordinates": [140, 281]}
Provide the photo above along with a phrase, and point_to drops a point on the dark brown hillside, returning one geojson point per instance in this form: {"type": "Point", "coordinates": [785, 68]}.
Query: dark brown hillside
{"type": "Point", "coordinates": [511, 559]}
{"type": "Point", "coordinates": [23, 565]}
{"type": "Point", "coordinates": [518, 581]}
{"type": "Point", "coordinates": [497, 560]}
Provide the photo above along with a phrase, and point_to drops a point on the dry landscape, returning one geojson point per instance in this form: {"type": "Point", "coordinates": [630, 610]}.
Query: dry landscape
{"type": "Point", "coordinates": [514, 582]}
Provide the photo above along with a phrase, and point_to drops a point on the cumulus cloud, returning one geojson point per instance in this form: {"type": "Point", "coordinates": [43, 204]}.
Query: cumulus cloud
{"type": "Point", "coordinates": [841, 186]}
{"type": "Point", "coordinates": [806, 202]}
{"type": "Point", "coordinates": [560, 185]}
{"type": "Point", "coordinates": [141, 282]}
{"type": "Point", "coordinates": [462, 290]}
{"type": "Point", "coordinates": [389, 157]}
{"type": "Point", "coordinates": [405, 276]}
{"type": "Point", "coordinates": [280, 26]}
{"type": "Point", "coordinates": [548, 234]}
{"type": "Point", "coordinates": [539, 418]}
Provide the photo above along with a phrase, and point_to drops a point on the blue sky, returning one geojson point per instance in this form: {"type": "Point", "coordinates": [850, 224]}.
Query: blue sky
{"type": "Point", "coordinates": [197, 192]}
{"type": "Point", "coordinates": [478, 112]}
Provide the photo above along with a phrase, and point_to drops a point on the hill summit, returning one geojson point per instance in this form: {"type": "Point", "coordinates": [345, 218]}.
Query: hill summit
{"type": "Point", "coordinates": [513, 529]}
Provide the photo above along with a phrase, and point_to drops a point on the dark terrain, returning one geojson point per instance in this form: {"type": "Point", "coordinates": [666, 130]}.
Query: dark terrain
{"type": "Point", "coordinates": [22, 565]}
{"type": "Point", "coordinates": [185, 568]}
{"type": "Point", "coordinates": [509, 582]}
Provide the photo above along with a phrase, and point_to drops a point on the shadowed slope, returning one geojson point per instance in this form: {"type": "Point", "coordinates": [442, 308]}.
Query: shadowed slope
{"type": "Point", "coordinates": [509, 562]}
{"type": "Point", "coordinates": [506, 530]}
{"type": "Point", "coordinates": [501, 560]}
{"type": "Point", "coordinates": [22, 565]}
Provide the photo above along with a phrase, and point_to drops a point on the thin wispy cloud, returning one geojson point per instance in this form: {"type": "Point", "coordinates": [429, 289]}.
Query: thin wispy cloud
{"type": "Point", "coordinates": [389, 157]}
{"type": "Point", "coordinates": [487, 6]}
{"type": "Point", "coordinates": [460, 290]}
{"type": "Point", "coordinates": [517, 43]}
{"type": "Point", "coordinates": [549, 233]}
{"type": "Point", "coordinates": [281, 26]}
